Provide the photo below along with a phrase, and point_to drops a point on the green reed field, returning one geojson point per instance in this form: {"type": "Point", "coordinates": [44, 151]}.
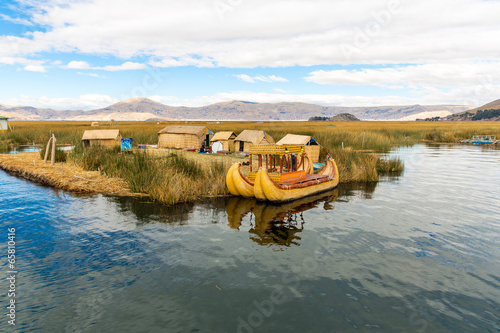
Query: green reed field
{"type": "Point", "coordinates": [180, 176]}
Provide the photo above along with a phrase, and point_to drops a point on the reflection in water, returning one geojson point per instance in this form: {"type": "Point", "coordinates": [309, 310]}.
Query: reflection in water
{"type": "Point", "coordinates": [353, 190]}
{"type": "Point", "coordinates": [146, 211]}
{"type": "Point", "coordinates": [276, 224]}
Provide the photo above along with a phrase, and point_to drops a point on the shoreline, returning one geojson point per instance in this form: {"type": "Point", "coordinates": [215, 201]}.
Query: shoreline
{"type": "Point", "coordinates": [64, 176]}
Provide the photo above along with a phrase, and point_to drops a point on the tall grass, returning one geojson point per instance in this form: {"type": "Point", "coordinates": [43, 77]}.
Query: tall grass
{"type": "Point", "coordinates": [168, 179]}
{"type": "Point", "coordinates": [355, 166]}
{"type": "Point", "coordinates": [4, 145]}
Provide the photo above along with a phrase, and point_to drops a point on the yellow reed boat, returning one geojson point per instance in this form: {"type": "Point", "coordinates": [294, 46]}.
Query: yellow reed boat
{"type": "Point", "coordinates": [240, 185]}
{"type": "Point", "coordinates": [283, 178]}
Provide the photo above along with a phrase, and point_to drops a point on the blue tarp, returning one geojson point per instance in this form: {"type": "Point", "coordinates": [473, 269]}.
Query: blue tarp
{"type": "Point", "coordinates": [126, 144]}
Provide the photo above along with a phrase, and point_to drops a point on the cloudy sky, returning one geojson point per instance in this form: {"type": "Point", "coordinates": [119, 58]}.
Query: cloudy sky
{"type": "Point", "coordinates": [79, 54]}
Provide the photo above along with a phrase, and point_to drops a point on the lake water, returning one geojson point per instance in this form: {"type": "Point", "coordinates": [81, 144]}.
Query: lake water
{"type": "Point", "coordinates": [417, 253]}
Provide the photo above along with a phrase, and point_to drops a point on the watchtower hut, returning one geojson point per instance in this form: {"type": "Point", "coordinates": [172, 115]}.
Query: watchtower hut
{"type": "Point", "coordinates": [106, 138]}
{"type": "Point", "coordinates": [311, 147]}
{"type": "Point", "coordinates": [251, 137]}
{"type": "Point", "coordinates": [191, 137]}
{"type": "Point", "coordinates": [226, 138]}
{"type": "Point", "coordinates": [4, 125]}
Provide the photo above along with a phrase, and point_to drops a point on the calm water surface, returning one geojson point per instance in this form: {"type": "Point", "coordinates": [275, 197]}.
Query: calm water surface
{"type": "Point", "coordinates": [417, 253]}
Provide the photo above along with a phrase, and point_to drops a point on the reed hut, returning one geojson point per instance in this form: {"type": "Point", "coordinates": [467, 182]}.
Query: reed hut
{"type": "Point", "coordinates": [106, 138]}
{"type": "Point", "coordinates": [251, 137]}
{"type": "Point", "coordinates": [191, 137]}
{"type": "Point", "coordinates": [311, 147]}
{"type": "Point", "coordinates": [4, 125]}
{"type": "Point", "coordinates": [226, 138]}
{"type": "Point", "coordinates": [95, 124]}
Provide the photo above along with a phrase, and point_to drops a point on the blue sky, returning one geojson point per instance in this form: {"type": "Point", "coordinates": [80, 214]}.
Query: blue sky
{"type": "Point", "coordinates": [88, 54]}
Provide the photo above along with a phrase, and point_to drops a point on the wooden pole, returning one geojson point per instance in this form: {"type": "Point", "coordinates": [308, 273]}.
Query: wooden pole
{"type": "Point", "coordinates": [250, 163]}
{"type": "Point", "coordinates": [53, 159]}
{"type": "Point", "coordinates": [47, 151]}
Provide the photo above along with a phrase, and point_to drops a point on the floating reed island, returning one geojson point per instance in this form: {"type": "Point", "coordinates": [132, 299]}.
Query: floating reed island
{"type": "Point", "coordinates": [64, 175]}
{"type": "Point", "coordinates": [174, 174]}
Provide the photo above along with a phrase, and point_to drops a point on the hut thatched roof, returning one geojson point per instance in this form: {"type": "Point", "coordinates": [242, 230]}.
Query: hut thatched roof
{"type": "Point", "coordinates": [253, 136]}
{"type": "Point", "coordinates": [293, 139]}
{"type": "Point", "coordinates": [113, 134]}
{"type": "Point", "coordinates": [194, 130]}
{"type": "Point", "coordinates": [222, 136]}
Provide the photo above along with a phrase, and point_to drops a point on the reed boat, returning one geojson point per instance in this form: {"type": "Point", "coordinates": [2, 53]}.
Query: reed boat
{"type": "Point", "coordinates": [266, 188]}
{"type": "Point", "coordinates": [240, 185]}
{"type": "Point", "coordinates": [293, 179]}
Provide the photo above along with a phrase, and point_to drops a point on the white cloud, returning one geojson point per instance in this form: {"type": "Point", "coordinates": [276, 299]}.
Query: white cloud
{"type": "Point", "coordinates": [437, 74]}
{"type": "Point", "coordinates": [470, 96]}
{"type": "Point", "coordinates": [265, 33]}
{"type": "Point", "coordinates": [262, 78]}
{"type": "Point", "coordinates": [450, 44]}
{"type": "Point", "coordinates": [78, 65]}
{"type": "Point", "coordinates": [111, 68]}
{"type": "Point", "coordinates": [123, 67]}
{"type": "Point", "coordinates": [469, 83]}
{"type": "Point", "coordinates": [164, 99]}
{"type": "Point", "coordinates": [29, 64]}
{"type": "Point", "coordinates": [35, 68]}
{"type": "Point", "coordinates": [83, 102]}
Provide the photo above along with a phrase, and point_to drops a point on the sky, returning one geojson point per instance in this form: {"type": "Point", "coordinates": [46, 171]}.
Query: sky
{"type": "Point", "coordinates": [79, 54]}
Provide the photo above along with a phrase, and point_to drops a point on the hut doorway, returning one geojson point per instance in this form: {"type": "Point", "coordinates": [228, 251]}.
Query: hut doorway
{"type": "Point", "coordinates": [242, 146]}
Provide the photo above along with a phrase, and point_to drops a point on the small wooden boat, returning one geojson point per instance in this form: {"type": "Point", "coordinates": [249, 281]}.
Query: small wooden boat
{"type": "Point", "coordinates": [291, 181]}
{"type": "Point", "coordinates": [482, 140]}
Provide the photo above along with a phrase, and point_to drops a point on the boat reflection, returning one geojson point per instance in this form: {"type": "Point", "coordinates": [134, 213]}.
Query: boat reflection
{"type": "Point", "coordinates": [275, 224]}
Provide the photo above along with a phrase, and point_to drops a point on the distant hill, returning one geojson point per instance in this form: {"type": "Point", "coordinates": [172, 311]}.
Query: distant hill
{"type": "Point", "coordinates": [344, 117]}
{"type": "Point", "coordinates": [490, 112]}
{"type": "Point", "coordinates": [142, 109]}
{"type": "Point", "coordinates": [339, 117]}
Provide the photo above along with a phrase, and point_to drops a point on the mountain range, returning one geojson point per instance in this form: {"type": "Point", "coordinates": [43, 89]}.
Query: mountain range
{"type": "Point", "coordinates": [479, 113]}
{"type": "Point", "coordinates": [144, 109]}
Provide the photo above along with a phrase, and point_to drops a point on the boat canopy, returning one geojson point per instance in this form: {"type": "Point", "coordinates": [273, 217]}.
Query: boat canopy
{"type": "Point", "coordinates": [283, 163]}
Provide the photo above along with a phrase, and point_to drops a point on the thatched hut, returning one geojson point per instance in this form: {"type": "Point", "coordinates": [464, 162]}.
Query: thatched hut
{"type": "Point", "coordinates": [3, 123]}
{"type": "Point", "coordinates": [184, 137]}
{"type": "Point", "coordinates": [226, 138]}
{"type": "Point", "coordinates": [106, 138]}
{"type": "Point", "coordinates": [251, 137]}
{"type": "Point", "coordinates": [311, 147]}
